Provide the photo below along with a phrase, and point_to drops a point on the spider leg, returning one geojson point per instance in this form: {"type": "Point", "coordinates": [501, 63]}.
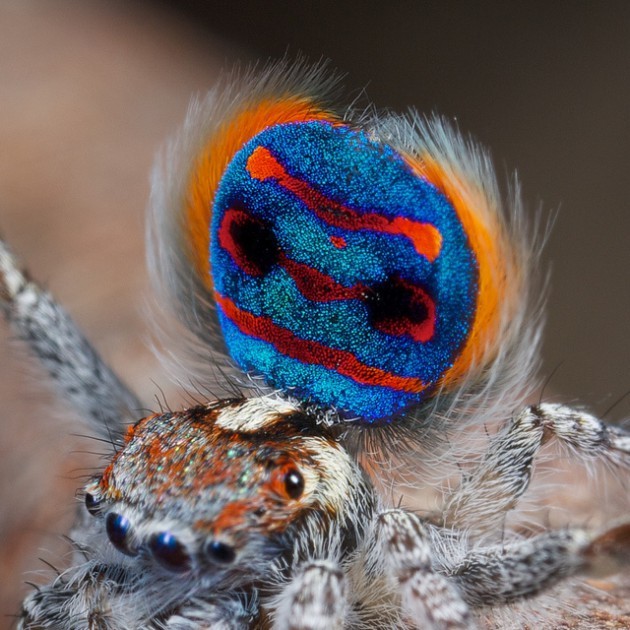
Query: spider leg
{"type": "Point", "coordinates": [78, 372]}
{"type": "Point", "coordinates": [495, 485]}
{"type": "Point", "coordinates": [232, 614]}
{"type": "Point", "coordinates": [91, 591]}
{"type": "Point", "coordinates": [315, 599]}
{"type": "Point", "coordinates": [403, 545]}
{"type": "Point", "coordinates": [98, 595]}
{"type": "Point", "coordinates": [501, 574]}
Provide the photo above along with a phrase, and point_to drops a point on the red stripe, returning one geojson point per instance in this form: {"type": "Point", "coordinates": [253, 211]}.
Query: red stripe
{"type": "Point", "coordinates": [317, 286]}
{"type": "Point", "coordinates": [426, 238]}
{"type": "Point", "coordinates": [314, 352]}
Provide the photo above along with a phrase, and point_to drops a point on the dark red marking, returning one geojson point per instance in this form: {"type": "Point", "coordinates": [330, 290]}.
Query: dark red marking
{"type": "Point", "coordinates": [338, 241]}
{"type": "Point", "coordinates": [317, 286]}
{"type": "Point", "coordinates": [398, 307]}
{"type": "Point", "coordinates": [313, 352]}
{"type": "Point", "coordinates": [425, 237]}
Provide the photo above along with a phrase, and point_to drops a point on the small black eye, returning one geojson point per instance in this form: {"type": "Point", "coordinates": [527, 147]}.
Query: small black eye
{"type": "Point", "coordinates": [93, 503]}
{"type": "Point", "coordinates": [169, 552]}
{"type": "Point", "coordinates": [118, 528]}
{"type": "Point", "coordinates": [294, 483]}
{"type": "Point", "coordinates": [220, 552]}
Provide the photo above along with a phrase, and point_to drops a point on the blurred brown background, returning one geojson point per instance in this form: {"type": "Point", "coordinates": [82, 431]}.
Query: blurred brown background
{"type": "Point", "coordinates": [89, 90]}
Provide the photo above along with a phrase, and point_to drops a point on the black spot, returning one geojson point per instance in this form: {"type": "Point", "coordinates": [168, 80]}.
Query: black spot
{"type": "Point", "coordinates": [399, 307]}
{"type": "Point", "coordinates": [256, 243]}
{"type": "Point", "coordinates": [391, 300]}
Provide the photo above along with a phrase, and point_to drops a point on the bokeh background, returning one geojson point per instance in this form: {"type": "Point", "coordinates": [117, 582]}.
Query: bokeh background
{"type": "Point", "coordinates": [89, 91]}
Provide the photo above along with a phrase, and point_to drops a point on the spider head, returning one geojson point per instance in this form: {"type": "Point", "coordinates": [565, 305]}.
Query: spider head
{"type": "Point", "coordinates": [215, 488]}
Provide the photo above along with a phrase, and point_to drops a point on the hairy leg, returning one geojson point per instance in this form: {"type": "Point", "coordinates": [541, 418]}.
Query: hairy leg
{"type": "Point", "coordinates": [78, 372]}
{"type": "Point", "coordinates": [496, 484]}
{"type": "Point", "coordinates": [200, 615]}
{"type": "Point", "coordinates": [502, 574]}
{"type": "Point", "coordinates": [403, 546]}
{"type": "Point", "coordinates": [315, 599]}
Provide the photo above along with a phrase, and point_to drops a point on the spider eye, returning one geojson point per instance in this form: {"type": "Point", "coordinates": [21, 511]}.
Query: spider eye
{"type": "Point", "coordinates": [93, 503]}
{"type": "Point", "coordinates": [294, 483]}
{"type": "Point", "coordinates": [170, 552]}
{"type": "Point", "coordinates": [220, 552]}
{"type": "Point", "coordinates": [118, 529]}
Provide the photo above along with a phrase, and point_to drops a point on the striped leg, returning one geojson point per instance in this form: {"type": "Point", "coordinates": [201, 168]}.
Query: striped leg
{"type": "Point", "coordinates": [315, 599]}
{"type": "Point", "coordinates": [496, 484]}
{"type": "Point", "coordinates": [403, 544]}
{"type": "Point", "coordinates": [499, 575]}
{"type": "Point", "coordinates": [201, 615]}
{"type": "Point", "coordinates": [78, 372]}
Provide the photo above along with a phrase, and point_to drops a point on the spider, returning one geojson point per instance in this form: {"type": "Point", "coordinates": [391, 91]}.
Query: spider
{"type": "Point", "coordinates": [354, 283]}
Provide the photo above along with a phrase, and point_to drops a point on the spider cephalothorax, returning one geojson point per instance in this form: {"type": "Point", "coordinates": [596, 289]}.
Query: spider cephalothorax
{"type": "Point", "coordinates": [214, 490]}
{"type": "Point", "coordinates": [365, 269]}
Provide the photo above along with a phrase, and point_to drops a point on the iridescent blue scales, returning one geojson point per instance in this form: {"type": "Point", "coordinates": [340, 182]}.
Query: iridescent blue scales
{"type": "Point", "coordinates": [342, 275]}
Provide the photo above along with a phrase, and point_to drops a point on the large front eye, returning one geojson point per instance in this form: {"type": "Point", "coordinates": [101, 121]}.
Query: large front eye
{"type": "Point", "coordinates": [118, 529]}
{"type": "Point", "coordinates": [170, 552]}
